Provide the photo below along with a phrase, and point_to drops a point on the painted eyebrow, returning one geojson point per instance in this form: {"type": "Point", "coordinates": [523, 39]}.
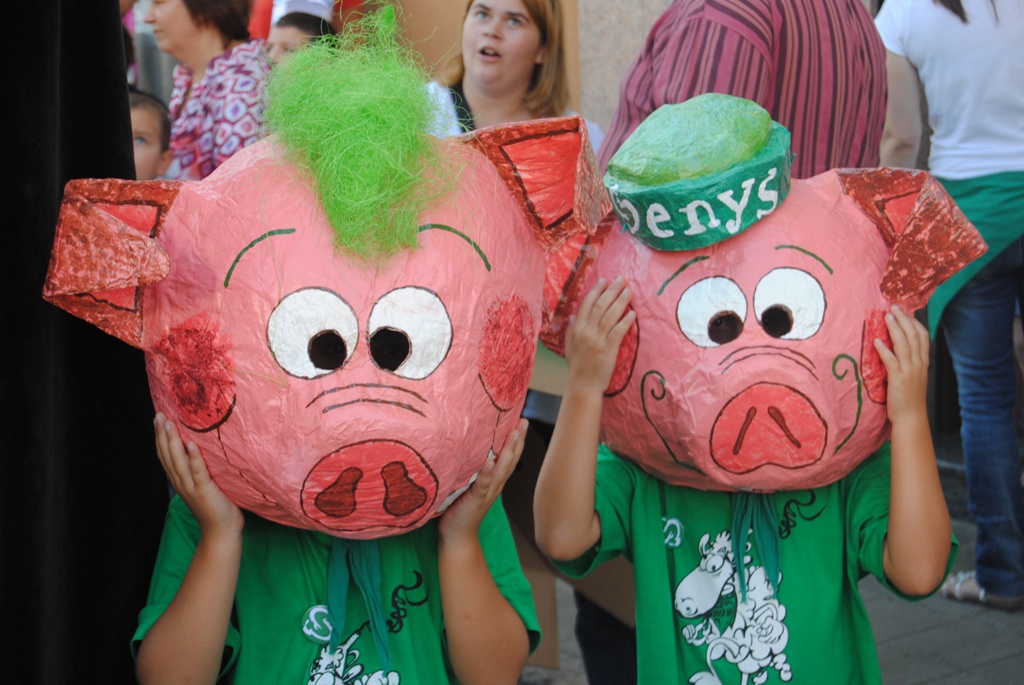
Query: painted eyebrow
{"type": "Point", "coordinates": [449, 229]}
{"type": "Point", "coordinates": [809, 254]}
{"type": "Point", "coordinates": [268, 234]}
{"type": "Point", "coordinates": [679, 271]}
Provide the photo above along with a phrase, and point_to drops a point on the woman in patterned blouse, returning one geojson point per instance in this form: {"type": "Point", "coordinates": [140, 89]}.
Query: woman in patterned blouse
{"type": "Point", "coordinates": [217, 104]}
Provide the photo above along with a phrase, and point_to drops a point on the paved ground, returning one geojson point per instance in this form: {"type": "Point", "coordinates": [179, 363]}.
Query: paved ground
{"type": "Point", "coordinates": [943, 642]}
{"type": "Point", "coordinates": [935, 641]}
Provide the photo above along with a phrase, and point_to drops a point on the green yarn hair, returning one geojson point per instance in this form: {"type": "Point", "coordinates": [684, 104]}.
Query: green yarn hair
{"type": "Point", "coordinates": [353, 111]}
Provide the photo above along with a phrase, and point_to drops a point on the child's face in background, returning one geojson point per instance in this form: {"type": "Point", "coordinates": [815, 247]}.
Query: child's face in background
{"type": "Point", "coordinates": [150, 160]}
{"type": "Point", "coordinates": [284, 39]}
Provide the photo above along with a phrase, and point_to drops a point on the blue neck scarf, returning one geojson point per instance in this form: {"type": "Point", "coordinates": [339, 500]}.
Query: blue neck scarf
{"type": "Point", "coordinates": [358, 560]}
{"type": "Point", "coordinates": [755, 512]}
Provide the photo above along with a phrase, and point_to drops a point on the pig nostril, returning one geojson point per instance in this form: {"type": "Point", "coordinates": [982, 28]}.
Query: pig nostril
{"type": "Point", "coordinates": [389, 348]}
{"type": "Point", "coordinates": [725, 327]}
{"type": "Point", "coordinates": [339, 498]}
{"type": "Point", "coordinates": [402, 495]}
{"type": "Point", "coordinates": [777, 321]}
{"type": "Point", "coordinates": [327, 350]}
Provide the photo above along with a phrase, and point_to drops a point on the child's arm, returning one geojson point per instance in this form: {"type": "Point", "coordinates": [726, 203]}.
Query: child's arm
{"type": "Point", "coordinates": [567, 524]}
{"type": "Point", "coordinates": [487, 641]}
{"type": "Point", "coordinates": [916, 547]}
{"type": "Point", "coordinates": [186, 644]}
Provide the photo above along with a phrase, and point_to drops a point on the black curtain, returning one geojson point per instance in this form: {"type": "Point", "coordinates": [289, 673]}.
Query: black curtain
{"type": "Point", "coordinates": [82, 496]}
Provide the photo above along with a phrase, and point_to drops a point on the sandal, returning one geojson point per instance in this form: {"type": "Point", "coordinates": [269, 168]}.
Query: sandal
{"type": "Point", "coordinates": [964, 587]}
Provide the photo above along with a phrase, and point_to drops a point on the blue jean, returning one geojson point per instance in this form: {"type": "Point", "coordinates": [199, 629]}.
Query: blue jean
{"type": "Point", "coordinates": [978, 324]}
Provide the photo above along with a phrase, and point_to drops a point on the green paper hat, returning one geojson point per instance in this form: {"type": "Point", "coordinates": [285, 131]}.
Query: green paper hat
{"type": "Point", "coordinates": [699, 172]}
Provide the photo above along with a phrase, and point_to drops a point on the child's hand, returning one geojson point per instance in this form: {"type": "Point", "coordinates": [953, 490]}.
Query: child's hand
{"type": "Point", "coordinates": [906, 364]}
{"type": "Point", "coordinates": [595, 333]}
{"type": "Point", "coordinates": [464, 515]}
{"type": "Point", "coordinates": [191, 480]}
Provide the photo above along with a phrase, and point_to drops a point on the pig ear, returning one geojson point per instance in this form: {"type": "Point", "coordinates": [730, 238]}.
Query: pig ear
{"type": "Point", "coordinates": [105, 252]}
{"type": "Point", "coordinates": [549, 167]}
{"type": "Point", "coordinates": [929, 238]}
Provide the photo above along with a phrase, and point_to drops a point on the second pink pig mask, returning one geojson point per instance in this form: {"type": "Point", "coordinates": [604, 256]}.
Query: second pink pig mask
{"type": "Point", "coordinates": [350, 396]}
{"type": "Point", "coordinates": [751, 364]}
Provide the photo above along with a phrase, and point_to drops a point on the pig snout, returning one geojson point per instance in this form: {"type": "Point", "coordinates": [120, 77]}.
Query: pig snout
{"type": "Point", "coordinates": [768, 423]}
{"type": "Point", "coordinates": [372, 484]}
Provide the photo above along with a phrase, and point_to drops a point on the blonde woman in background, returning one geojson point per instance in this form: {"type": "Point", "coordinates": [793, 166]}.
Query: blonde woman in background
{"type": "Point", "coordinates": [511, 68]}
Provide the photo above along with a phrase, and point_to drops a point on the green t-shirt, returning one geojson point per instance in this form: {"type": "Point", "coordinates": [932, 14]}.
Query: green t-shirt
{"type": "Point", "coordinates": [690, 619]}
{"type": "Point", "coordinates": [280, 630]}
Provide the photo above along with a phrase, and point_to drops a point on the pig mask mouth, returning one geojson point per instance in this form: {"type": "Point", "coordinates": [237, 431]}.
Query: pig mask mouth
{"type": "Point", "coordinates": [402, 397]}
{"type": "Point", "coordinates": [376, 484]}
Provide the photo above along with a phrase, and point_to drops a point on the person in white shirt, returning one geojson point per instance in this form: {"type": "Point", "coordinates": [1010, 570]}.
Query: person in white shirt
{"type": "Point", "coordinates": [968, 55]}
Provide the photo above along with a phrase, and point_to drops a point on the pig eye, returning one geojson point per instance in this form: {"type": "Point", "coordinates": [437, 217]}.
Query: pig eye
{"type": "Point", "coordinates": [312, 332]}
{"type": "Point", "coordinates": [389, 348]}
{"type": "Point", "coordinates": [410, 332]}
{"type": "Point", "coordinates": [789, 304]}
{"type": "Point", "coordinates": [711, 312]}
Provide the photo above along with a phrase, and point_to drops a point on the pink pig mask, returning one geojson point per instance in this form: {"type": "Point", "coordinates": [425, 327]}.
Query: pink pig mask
{"type": "Point", "coordinates": [325, 392]}
{"type": "Point", "coordinates": [751, 364]}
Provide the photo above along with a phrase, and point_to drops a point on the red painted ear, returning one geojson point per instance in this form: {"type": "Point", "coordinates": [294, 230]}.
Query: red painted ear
{"type": "Point", "coordinates": [105, 252]}
{"type": "Point", "coordinates": [929, 237]}
{"type": "Point", "coordinates": [549, 167]}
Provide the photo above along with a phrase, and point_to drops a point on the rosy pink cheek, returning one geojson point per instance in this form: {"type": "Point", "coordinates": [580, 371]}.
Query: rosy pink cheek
{"type": "Point", "coordinates": [626, 359]}
{"type": "Point", "coordinates": [876, 380]}
{"type": "Point", "coordinates": [198, 367]}
{"type": "Point", "coordinates": [565, 277]}
{"type": "Point", "coordinates": [508, 347]}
